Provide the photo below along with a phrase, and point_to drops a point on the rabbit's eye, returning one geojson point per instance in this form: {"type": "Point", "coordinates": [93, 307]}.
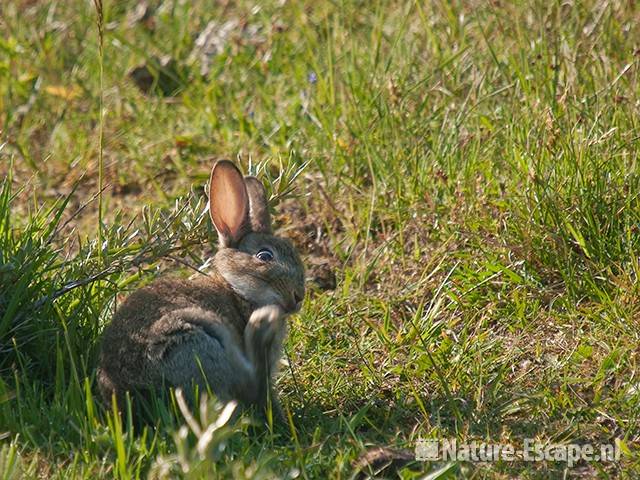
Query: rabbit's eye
{"type": "Point", "coordinates": [265, 255]}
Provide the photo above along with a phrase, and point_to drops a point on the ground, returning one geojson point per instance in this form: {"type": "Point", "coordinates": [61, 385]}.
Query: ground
{"type": "Point", "coordinates": [462, 179]}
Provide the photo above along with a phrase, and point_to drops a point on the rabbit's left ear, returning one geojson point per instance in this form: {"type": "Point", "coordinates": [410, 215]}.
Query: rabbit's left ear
{"type": "Point", "coordinates": [258, 205]}
{"type": "Point", "coordinates": [228, 203]}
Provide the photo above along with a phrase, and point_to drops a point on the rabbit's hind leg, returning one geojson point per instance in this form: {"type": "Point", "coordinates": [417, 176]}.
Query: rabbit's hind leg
{"type": "Point", "coordinates": [263, 338]}
{"type": "Point", "coordinates": [205, 354]}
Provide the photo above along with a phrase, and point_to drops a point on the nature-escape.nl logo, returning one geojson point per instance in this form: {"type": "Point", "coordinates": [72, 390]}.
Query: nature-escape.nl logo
{"type": "Point", "coordinates": [531, 451]}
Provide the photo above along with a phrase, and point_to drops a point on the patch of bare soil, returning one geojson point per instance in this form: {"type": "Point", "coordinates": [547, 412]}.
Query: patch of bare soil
{"type": "Point", "coordinates": [312, 228]}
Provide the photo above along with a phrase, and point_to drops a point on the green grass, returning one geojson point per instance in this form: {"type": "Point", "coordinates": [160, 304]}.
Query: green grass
{"type": "Point", "coordinates": [468, 171]}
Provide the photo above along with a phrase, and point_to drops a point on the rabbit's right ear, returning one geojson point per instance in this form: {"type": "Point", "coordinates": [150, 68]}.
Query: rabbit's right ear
{"type": "Point", "coordinates": [228, 203]}
{"type": "Point", "coordinates": [258, 205]}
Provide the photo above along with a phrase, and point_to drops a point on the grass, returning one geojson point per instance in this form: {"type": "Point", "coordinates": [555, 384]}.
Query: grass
{"type": "Point", "coordinates": [461, 177]}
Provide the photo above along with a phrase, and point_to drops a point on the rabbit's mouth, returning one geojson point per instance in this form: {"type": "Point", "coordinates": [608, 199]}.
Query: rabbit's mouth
{"type": "Point", "coordinates": [293, 307]}
{"type": "Point", "coordinates": [294, 304]}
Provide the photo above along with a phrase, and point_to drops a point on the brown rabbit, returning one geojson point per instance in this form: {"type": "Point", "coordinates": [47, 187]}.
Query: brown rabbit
{"type": "Point", "coordinates": [225, 329]}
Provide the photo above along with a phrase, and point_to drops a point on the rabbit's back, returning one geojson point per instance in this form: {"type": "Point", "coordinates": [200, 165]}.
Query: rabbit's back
{"type": "Point", "coordinates": [152, 321]}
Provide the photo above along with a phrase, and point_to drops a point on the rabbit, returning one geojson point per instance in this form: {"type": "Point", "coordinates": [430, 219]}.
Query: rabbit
{"type": "Point", "coordinates": [225, 329]}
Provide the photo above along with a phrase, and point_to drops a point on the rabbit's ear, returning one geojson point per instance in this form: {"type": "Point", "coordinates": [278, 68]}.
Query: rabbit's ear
{"type": "Point", "coordinates": [258, 205]}
{"type": "Point", "coordinates": [228, 203]}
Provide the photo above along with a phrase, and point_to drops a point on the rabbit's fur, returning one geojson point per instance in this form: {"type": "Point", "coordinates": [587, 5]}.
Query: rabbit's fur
{"type": "Point", "coordinates": [225, 329]}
